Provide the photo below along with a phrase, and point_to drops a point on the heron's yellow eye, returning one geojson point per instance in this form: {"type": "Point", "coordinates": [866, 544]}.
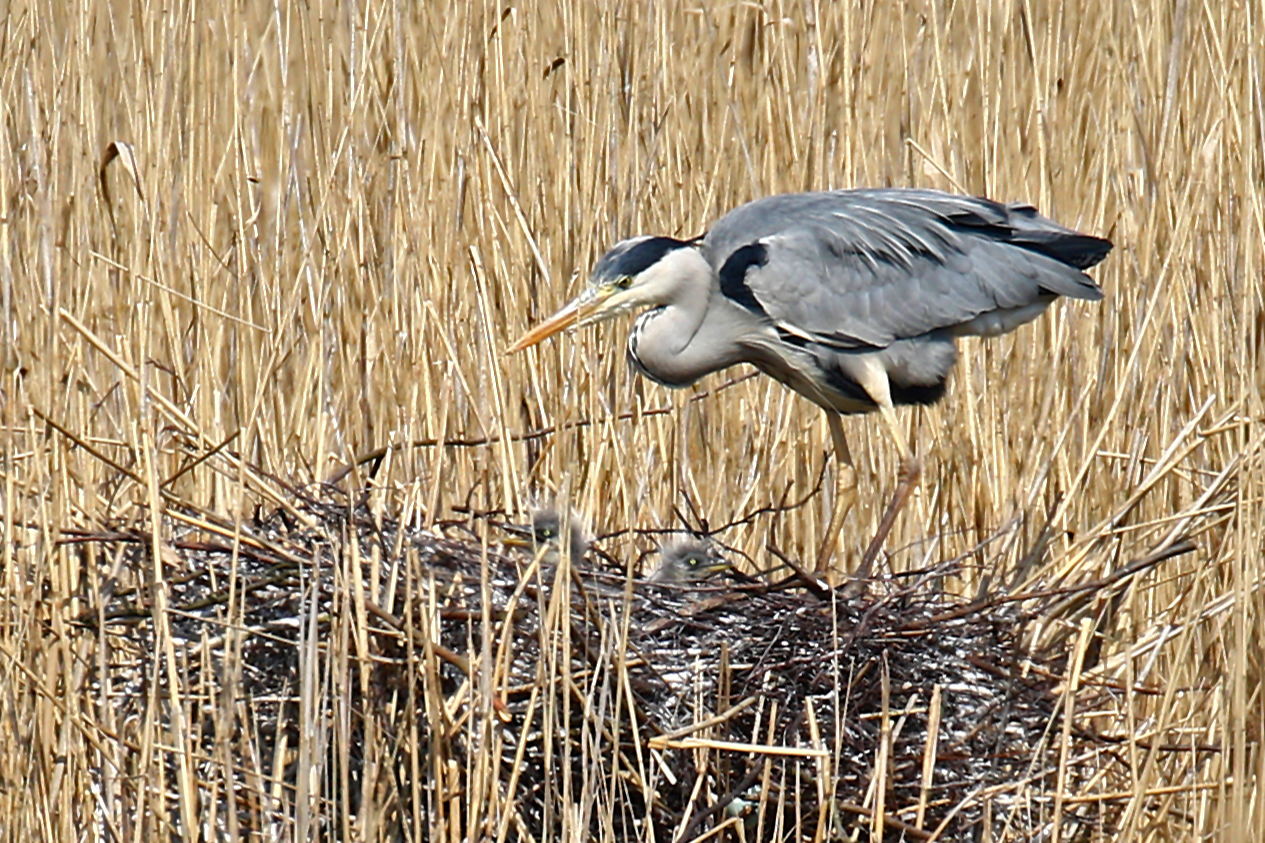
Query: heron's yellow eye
{"type": "Point", "coordinates": [624, 282]}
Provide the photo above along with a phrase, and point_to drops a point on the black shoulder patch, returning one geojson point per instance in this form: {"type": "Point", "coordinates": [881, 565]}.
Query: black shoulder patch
{"type": "Point", "coordinates": [733, 275]}
{"type": "Point", "coordinates": [633, 257]}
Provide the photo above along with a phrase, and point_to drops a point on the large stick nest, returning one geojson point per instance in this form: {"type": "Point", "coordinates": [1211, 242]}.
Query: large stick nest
{"type": "Point", "coordinates": [324, 655]}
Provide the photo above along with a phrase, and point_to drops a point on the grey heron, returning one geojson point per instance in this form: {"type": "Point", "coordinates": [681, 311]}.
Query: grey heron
{"type": "Point", "coordinates": [852, 298]}
{"type": "Point", "coordinates": [688, 561]}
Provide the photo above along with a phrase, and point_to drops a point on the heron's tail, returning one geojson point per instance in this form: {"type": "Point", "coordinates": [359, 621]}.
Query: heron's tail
{"type": "Point", "coordinates": [1044, 235]}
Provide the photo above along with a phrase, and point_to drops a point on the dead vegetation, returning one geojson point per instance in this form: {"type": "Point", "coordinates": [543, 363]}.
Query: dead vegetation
{"type": "Point", "coordinates": [772, 708]}
{"type": "Point", "coordinates": [242, 249]}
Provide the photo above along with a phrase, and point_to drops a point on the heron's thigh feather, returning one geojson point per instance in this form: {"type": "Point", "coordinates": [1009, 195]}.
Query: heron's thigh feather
{"type": "Point", "coordinates": [924, 361]}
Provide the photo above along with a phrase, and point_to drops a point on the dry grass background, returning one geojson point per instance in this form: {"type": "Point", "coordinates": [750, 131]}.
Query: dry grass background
{"type": "Point", "coordinates": [324, 224]}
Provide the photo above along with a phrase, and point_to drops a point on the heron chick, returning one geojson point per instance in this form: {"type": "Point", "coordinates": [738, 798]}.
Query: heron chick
{"type": "Point", "coordinates": [549, 534]}
{"type": "Point", "coordinates": [688, 561]}
{"type": "Point", "coordinates": [852, 298]}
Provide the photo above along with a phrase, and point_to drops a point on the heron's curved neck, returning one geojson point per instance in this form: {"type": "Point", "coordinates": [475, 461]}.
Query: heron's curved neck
{"type": "Point", "coordinates": [674, 344]}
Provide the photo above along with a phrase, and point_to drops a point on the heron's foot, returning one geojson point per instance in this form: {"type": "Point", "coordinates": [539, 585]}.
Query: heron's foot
{"type": "Point", "coordinates": [855, 586]}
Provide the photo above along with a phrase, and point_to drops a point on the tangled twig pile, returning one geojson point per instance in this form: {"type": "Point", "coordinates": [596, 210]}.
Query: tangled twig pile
{"type": "Point", "coordinates": [325, 657]}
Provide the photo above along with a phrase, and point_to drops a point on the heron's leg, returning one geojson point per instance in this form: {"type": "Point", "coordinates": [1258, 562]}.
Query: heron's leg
{"type": "Point", "coordinates": [903, 490]}
{"type": "Point", "coordinates": [873, 379]}
{"type": "Point", "coordinates": [842, 452]}
{"type": "Point", "coordinates": [845, 493]}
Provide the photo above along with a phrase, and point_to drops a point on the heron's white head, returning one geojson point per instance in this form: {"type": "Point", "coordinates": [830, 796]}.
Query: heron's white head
{"type": "Point", "coordinates": [635, 273]}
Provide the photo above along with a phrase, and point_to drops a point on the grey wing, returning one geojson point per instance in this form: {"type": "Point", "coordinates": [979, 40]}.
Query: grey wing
{"type": "Point", "coordinates": [869, 267]}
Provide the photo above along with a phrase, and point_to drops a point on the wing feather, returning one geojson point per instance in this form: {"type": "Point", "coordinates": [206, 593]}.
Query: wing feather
{"type": "Point", "coordinates": [869, 267]}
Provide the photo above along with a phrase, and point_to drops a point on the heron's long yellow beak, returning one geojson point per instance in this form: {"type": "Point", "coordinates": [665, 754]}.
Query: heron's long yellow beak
{"type": "Point", "coordinates": [579, 312]}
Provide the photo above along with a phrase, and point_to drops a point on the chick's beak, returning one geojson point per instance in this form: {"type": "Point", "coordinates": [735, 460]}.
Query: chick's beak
{"type": "Point", "coordinates": [518, 535]}
{"type": "Point", "coordinates": [717, 567]}
{"type": "Point", "coordinates": [578, 312]}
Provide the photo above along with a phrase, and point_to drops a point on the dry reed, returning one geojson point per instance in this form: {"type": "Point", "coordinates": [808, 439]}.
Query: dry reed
{"type": "Point", "coordinates": [244, 247]}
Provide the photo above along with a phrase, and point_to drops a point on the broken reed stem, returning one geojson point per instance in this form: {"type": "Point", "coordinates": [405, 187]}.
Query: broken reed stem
{"type": "Point", "coordinates": [1069, 717]}
{"type": "Point", "coordinates": [929, 754]}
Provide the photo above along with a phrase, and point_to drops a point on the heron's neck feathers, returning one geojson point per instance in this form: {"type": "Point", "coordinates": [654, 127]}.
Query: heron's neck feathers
{"type": "Point", "coordinates": [682, 277]}
{"type": "Point", "coordinates": [676, 343]}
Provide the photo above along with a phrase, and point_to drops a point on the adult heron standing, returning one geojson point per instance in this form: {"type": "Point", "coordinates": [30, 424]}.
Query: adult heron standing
{"type": "Point", "coordinates": [852, 298]}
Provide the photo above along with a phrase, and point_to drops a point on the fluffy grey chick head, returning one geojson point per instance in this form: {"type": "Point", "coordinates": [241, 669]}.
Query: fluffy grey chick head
{"type": "Point", "coordinates": [688, 561]}
{"type": "Point", "coordinates": [550, 533]}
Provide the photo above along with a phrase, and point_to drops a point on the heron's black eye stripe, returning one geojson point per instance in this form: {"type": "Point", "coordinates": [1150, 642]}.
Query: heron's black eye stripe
{"type": "Point", "coordinates": [633, 257]}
